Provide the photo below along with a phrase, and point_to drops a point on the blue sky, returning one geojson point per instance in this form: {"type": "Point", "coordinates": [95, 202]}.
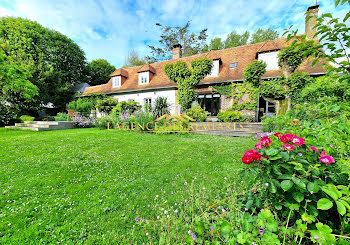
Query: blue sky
{"type": "Point", "coordinates": [109, 29]}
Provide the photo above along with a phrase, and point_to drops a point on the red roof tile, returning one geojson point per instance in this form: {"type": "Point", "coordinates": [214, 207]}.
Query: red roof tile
{"type": "Point", "coordinates": [243, 55]}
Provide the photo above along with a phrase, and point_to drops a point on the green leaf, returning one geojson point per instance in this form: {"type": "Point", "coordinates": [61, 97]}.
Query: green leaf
{"type": "Point", "coordinates": [285, 155]}
{"type": "Point", "coordinates": [272, 188]}
{"type": "Point", "coordinates": [336, 2]}
{"type": "Point", "coordinates": [286, 185]}
{"type": "Point", "coordinates": [299, 197]}
{"type": "Point", "coordinates": [324, 204]}
{"type": "Point", "coordinates": [341, 208]}
{"type": "Point", "coordinates": [345, 203]}
{"type": "Point", "coordinates": [299, 183]}
{"type": "Point", "coordinates": [272, 152]}
{"type": "Point", "coordinates": [330, 193]}
{"type": "Point", "coordinates": [313, 187]}
{"type": "Point", "coordinates": [347, 16]}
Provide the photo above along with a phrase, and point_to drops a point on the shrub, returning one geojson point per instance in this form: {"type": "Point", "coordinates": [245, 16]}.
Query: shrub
{"type": "Point", "coordinates": [25, 118]}
{"type": "Point", "coordinates": [103, 122]}
{"type": "Point", "coordinates": [273, 88]}
{"type": "Point", "coordinates": [142, 120]}
{"type": "Point", "coordinates": [106, 105]}
{"type": "Point", "coordinates": [61, 117]}
{"type": "Point", "coordinates": [197, 113]}
{"type": "Point", "coordinates": [81, 105]}
{"type": "Point", "coordinates": [128, 106]}
{"type": "Point", "coordinates": [229, 116]}
{"type": "Point", "coordinates": [161, 107]}
{"type": "Point", "coordinates": [83, 122]}
{"type": "Point", "coordinates": [5, 115]}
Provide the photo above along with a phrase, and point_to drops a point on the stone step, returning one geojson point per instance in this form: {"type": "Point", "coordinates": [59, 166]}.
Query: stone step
{"type": "Point", "coordinates": [31, 125]}
{"type": "Point", "coordinates": [43, 125]}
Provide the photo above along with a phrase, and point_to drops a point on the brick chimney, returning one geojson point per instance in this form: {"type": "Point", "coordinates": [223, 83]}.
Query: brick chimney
{"type": "Point", "coordinates": [177, 53]}
{"type": "Point", "coordinates": [310, 21]}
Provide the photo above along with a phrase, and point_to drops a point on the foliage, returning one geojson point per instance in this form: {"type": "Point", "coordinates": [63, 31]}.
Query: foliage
{"type": "Point", "coordinates": [326, 86]}
{"type": "Point", "coordinates": [191, 43]}
{"type": "Point", "coordinates": [296, 82]}
{"type": "Point", "coordinates": [234, 39]}
{"type": "Point", "coordinates": [98, 71]}
{"type": "Point", "coordinates": [334, 37]}
{"type": "Point", "coordinates": [106, 105]}
{"type": "Point", "coordinates": [133, 59]}
{"type": "Point", "coordinates": [81, 105]}
{"type": "Point", "coordinates": [161, 107]}
{"type": "Point", "coordinates": [25, 118]}
{"type": "Point", "coordinates": [128, 106]}
{"type": "Point", "coordinates": [241, 89]}
{"type": "Point", "coordinates": [216, 44]}
{"type": "Point", "coordinates": [229, 116]}
{"type": "Point", "coordinates": [5, 114]}
{"type": "Point", "coordinates": [261, 35]}
{"type": "Point", "coordinates": [143, 120]}
{"type": "Point", "coordinates": [105, 121]}
{"type": "Point", "coordinates": [254, 71]}
{"type": "Point", "coordinates": [292, 56]}
{"type": "Point", "coordinates": [15, 88]}
{"type": "Point", "coordinates": [83, 122]}
{"type": "Point", "coordinates": [196, 112]}
{"type": "Point", "coordinates": [54, 62]}
{"type": "Point", "coordinates": [187, 79]}
{"type": "Point", "coordinates": [273, 88]}
{"type": "Point", "coordinates": [61, 117]}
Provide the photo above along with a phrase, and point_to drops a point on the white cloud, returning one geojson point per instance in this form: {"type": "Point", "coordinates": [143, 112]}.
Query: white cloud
{"type": "Point", "coordinates": [109, 29]}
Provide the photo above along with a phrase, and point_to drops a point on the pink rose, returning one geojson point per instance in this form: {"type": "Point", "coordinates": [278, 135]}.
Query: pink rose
{"type": "Point", "coordinates": [286, 138]}
{"type": "Point", "coordinates": [327, 159]}
{"type": "Point", "coordinates": [259, 146]}
{"type": "Point", "coordinates": [266, 141]}
{"type": "Point", "coordinates": [313, 148]}
{"type": "Point", "coordinates": [288, 147]}
{"type": "Point", "coordinates": [298, 141]}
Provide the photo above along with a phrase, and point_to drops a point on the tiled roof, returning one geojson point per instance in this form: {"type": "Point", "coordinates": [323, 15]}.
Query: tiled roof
{"type": "Point", "coordinates": [120, 72]}
{"type": "Point", "coordinates": [243, 55]}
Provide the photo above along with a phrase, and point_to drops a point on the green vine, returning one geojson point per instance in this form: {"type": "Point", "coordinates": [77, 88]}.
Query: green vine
{"type": "Point", "coordinates": [188, 79]}
{"type": "Point", "coordinates": [254, 71]}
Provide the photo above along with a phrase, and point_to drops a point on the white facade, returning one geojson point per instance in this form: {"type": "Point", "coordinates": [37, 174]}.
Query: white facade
{"type": "Point", "coordinates": [270, 59]}
{"type": "Point", "coordinates": [215, 70]}
{"type": "Point", "coordinates": [145, 97]}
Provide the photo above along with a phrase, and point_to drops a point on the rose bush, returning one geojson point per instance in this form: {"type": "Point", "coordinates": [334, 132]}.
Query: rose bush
{"type": "Point", "coordinates": [303, 184]}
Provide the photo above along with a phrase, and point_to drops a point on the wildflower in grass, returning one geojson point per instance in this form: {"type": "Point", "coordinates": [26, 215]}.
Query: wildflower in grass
{"type": "Point", "coordinates": [211, 228]}
{"type": "Point", "coordinates": [288, 147]}
{"type": "Point", "coordinates": [176, 211]}
{"type": "Point", "coordinates": [189, 232]}
{"type": "Point", "coordinates": [327, 159]}
{"type": "Point", "coordinates": [331, 145]}
{"type": "Point", "coordinates": [300, 154]}
{"type": "Point", "coordinates": [146, 233]}
{"type": "Point", "coordinates": [316, 237]}
{"type": "Point", "coordinates": [136, 219]}
{"type": "Point", "coordinates": [261, 231]}
{"type": "Point", "coordinates": [193, 236]}
{"type": "Point", "coordinates": [254, 243]}
{"type": "Point", "coordinates": [185, 183]}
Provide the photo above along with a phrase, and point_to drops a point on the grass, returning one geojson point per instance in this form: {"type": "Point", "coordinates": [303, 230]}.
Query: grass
{"type": "Point", "coordinates": [88, 185]}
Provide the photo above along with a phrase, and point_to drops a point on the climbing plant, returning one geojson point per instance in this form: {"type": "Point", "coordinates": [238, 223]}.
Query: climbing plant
{"type": "Point", "coordinates": [273, 88]}
{"type": "Point", "coordinates": [254, 71]}
{"type": "Point", "coordinates": [187, 78]}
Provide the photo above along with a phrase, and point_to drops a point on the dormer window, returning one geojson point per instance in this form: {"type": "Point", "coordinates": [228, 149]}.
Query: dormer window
{"type": "Point", "coordinates": [143, 77]}
{"type": "Point", "coordinates": [116, 81]}
{"type": "Point", "coordinates": [270, 59]}
{"type": "Point", "coordinates": [215, 69]}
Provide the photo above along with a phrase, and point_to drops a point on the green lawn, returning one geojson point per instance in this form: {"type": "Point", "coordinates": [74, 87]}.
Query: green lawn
{"type": "Point", "coordinates": [89, 185]}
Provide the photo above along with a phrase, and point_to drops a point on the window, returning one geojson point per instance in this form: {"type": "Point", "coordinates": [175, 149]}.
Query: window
{"type": "Point", "coordinates": [215, 69]}
{"type": "Point", "coordinates": [143, 77]}
{"type": "Point", "coordinates": [270, 59]}
{"type": "Point", "coordinates": [147, 101]}
{"type": "Point", "coordinates": [233, 65]}
{"type": "Point", "coordinates": [116, 82]}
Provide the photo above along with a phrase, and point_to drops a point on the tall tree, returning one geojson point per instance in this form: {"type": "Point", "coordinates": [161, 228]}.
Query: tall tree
{"type": "Point", "coordinates": [15, 88]}
{"type": "Point", "coordinates": [234, 39]}
{"type": "Point", "coordinates": [54, 61]}
{"type": "Point", "coordinates": [216, 44]}
{"type": "Point", "coordinates": [191, 43]}
{"type": "Point", "coordinates": [99, 71]}
{"type": "Point", "coordinates": [133, 59]}
{"type": "Point", "coordinates": [261, 35]}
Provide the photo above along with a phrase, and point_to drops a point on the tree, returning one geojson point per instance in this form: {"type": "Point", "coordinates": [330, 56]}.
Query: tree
{"type": "Point", "coordinates": [15, 87]}
{"type": "Point", "coordinates": [99, 71]}
{"type": "Point", "coordinates": [263, 35]}
{"type": "Point", "coordinates": [191, 43]}
{"type": "Point", "coordinates": [234, 39]}
{"type": "Point", "coordinates": [133, 59]}
{"type": "Point", "coordinates": [54, 61]}
{"type": "Point", "coordinates": [216, 44]}
{"type": "Point", "coordinates": [188, 79]}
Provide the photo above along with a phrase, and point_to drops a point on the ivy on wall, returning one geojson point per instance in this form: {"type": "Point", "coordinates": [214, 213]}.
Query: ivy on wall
{"type": "Point", "coordinates": [188, 79]}
{"type": "Point", "coordinates": [254, 71]}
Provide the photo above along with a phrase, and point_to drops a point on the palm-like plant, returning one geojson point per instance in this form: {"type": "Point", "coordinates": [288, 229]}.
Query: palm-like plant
{"type": "Point", "coordinates": [161, 107]}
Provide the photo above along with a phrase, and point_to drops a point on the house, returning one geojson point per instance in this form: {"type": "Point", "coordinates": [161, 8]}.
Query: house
{"type": "Point", "coordinates": [145, 83]}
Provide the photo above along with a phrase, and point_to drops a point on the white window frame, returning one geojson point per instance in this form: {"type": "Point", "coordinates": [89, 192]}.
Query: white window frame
{"type": "Point", "coordinates": [271, 60]}
{"type": "Point", "coordinates": [116, 81]}
{"type": "Point", "coordinates": [215, 70]}
{"type": "Point", "coordinates": [143, 77]}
